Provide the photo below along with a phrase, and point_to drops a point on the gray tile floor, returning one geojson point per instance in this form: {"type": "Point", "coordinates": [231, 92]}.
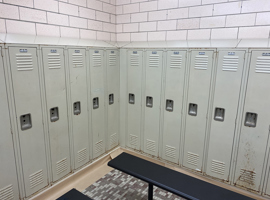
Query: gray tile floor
{"type": "Point", "coordinates": [118, 185]}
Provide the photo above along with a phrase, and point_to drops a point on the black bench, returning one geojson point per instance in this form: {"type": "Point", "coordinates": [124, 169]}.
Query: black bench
{"type": "Point", "coordinates": [175, 182]}
{"type": "Point", "coordinates": [74, 195]}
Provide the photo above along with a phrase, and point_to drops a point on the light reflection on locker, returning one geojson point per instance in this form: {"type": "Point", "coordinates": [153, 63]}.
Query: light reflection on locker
{"type": "Point", "coordinates": [153, 83]}
{"type": "Point", "coordinates": [56, 99]}
{"type": "Point", "coordinates": [174, 91]}
{"type": "Point", "coordinates": [224, 113]}
{"type": "Point", "coordinates": [97, 100]}
{"type": "Point", "coordinates": [79, 105]}
{"type": "Point", "coordinates": [198, 96]}
{"type": "Point", "coordinates": [26, 86]}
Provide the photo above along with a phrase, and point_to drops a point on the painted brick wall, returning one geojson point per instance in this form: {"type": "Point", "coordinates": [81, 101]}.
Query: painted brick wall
{"type": "Point", "coordinates": [143, 20]}
{"type": "Point", "coordinates": [87, 19]}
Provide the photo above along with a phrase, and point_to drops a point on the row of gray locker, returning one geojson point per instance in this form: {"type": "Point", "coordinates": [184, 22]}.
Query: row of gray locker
{"type": "Point", "coordinates": [63, 104]}
{"type": "Point", "coordinates": [206, 110]}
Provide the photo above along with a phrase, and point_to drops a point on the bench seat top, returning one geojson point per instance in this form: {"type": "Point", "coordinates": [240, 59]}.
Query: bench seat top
{"type": "Point", "coordinates": [172, 181]}
{"type": "Point", "coordinates": [74, 195]}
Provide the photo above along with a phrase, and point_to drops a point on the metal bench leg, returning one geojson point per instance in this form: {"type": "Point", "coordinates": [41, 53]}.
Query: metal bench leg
{"type": "Point", "coordinates": [150, 192]}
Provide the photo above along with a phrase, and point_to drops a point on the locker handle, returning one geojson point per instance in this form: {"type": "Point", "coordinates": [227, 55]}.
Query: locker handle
{"type": "Point", "coordinates": [149, 102]}
{"type": "Point", "coordinates": [95, 103]}
{"type": "Point", "coordinates": [111, 99]}
{"type": "Point", "coordinates": [54, 114]}
{"type": "Point", "coordinates": [219, 114]}
{"type": "Point", "coordinates": [169, 105]}
{"type": "Point", "coordinates": [26, 122]}
{"type": "Point", "coordinates": [193, 108]}
{"type": "Point", "coordinates": [251, 119]}
{"type": "Point", "coordinates": [77, 108]}
{"type": "Point", "coordinates": [131, 98]}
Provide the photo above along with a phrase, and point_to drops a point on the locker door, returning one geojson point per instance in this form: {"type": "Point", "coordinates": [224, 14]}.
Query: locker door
{"type": "Point", "coordinates": [255, 125]}
{"type": "Point", "coordinates": [113, 78]}
{"type": "Point", "coordinates": [224, 113]}
{"type": "Point", "coordinates": [134, 109]}
{"type": "Point", "coordinates": [197, 107]}
{"type": "Point", "coordinates": [173, 99]}
{"type": "Point", "coordinates": [56, 98]}
{"type": "Point", "coordinates": [26, 86]}
{"type": "Point", "coordinates": [8, 181]}
{"type": "Point", "coordinates": [97, 101]}
{"type": "Point", "coordinates": [153, 80]}
{"type": "Point", "coordinates": [79, 114]}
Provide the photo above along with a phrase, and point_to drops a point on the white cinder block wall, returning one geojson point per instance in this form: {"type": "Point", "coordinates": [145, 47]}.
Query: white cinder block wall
{"type": "Point", "coordinates": [86, 19]}
{"type": "Point", "coordinates": [150, 20]}
{"type": "Point", "coordinates": [137, 20]}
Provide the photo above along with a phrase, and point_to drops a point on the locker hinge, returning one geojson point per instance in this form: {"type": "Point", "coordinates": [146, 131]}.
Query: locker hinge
{"type": "Point", "coordinates": [2, 53]}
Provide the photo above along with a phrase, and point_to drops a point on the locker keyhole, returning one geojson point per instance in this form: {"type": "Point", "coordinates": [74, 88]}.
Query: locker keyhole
{"type": "Point", "coordinates": [95, 103]}
{"type": "Point", "coordinates": [149, 102]}
{"type": "Point", "coordinates": [111, 99]}
{"type": "Point", "coordinates": [131, 98]}
{"type": "Point", "coordinates": [54, 116]}
{"type": "Point", "coordinates": [219, 114]}
{"type": "Point", "coordinates": [26, 122]}
{"type": "Point", "coordinates": [77, 108]}
{"type": "Point", "coordinates": [251, 119]}
{"type": "Point", "coordinates": [169, 105]}
{"type": "Point", "coordinates": [193, 109]}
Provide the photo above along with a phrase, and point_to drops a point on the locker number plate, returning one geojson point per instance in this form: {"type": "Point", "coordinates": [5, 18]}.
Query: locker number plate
{"type": "Point", "coordinates": [77, 51]}
{"type": "Point", "coordinates": [53, 51]}
{"type": "Point", "coordinates": [23, 50]}
{"type": "Point", "coordinates": [201, 53]}
{"type": "Point", "coordinates": [266, 54]}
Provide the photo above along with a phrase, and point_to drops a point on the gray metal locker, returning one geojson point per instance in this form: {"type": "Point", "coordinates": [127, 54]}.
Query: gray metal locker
{"type": "Point", "coordinates": [224, 112]}
{"type": "Point", "coordinates": [173, 101]}
{"type": "Point", "coordinates": [134, 93]}
{"type": "Point", "coordinates": [253, 142]}
{"type": "Point", "coordinates": [152, 101]}
{"type": "Point", "coordinates": [97, 100]}
{"type": "Point", "coordinates": [26, 86]}
{"type": "Point", "coordinates": [8, 181]}
{"type": "Point", "coordinates": [113, 86]}
{"type": "Point", "coordinates": [197, 108]}
{"type": "Point", "coordinates": [79, 105]}
{"type": "Point", "coordinates": [56, 99]}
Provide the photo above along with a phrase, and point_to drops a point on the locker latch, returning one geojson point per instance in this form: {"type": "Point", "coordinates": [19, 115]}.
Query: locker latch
{"type": "Point", "coordinates": [169, 105]}
{"type": "Point", "coordinates": [26, 122]}
{"type": "Point", "coordinates": [193, 109]}
{"type": "Point", "coordinates": [149, 102]}
{"type": "Point", "coordinates": [77, 108]}
{"type": "Point", "coordinates": [95, 103]}
{"type": "Point", "coordinates": [131, 98]}
{"type": "Point", "coordinates": [251, 119]}
{"type": "Point", "coordinates": [219, 114]}
{"type": "Point", "coordinates": [54, 114]}
{"type": "Point", "coordinates": [111, 99]}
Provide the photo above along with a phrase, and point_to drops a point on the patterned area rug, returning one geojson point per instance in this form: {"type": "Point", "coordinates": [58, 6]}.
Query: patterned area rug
{"type": "Point", "coordinates": [118, 185]}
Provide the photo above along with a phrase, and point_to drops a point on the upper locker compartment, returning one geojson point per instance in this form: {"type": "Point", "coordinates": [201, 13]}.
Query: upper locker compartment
{"type": "Point", "coordinates": [8, 181]}
{"type": "Point", "coordinates": [134, 95]}
{"type": "Point", "coordinates": [97, 100]}
{"type": "Point", "coordinates": [113, 85]}
{"type": "Point", "coordinates": [153, 81]}
{"type": "Point", "coordinates": [26, 90]}
{"type": "Point", "coordinates": [224, 113]}
{"type": "Point", "coordinates": [197, 108]}
{"type": "Point", "coordinates": [79, 105]}
{"type": "Point", "coordinates": [253, 142]}
{"type": "Point", "coordinates": [57, 115]}
{"type": "Point", "coordinates": [173, 100]}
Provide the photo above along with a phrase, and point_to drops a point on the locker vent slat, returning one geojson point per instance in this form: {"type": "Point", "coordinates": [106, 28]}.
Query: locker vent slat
{"type": "Point", "coordinates": [113, 140]}
{"type": "Point", "coordinates": [97, 60]}
{"type": "Point", "coordinates": [54, 61]}
{"type": "Point", "coordinates": [82, 155]}
{"type": "Point", "coordinates": [7, 193]}
{"type": "Point", "coordinates": [153, 60]}
{"type": "Point", "coordinates": [192, 159]}
{"type": "Point", "coordinates": [77, 60]}
{"type": "Point", "coordinates": [134, 60]}
{"type": "Point", "coordinates": [176, 61]}
{"type": "Point", "coordinates": [133, 140]}
{"type": "Point", "coordinates": [218, 167]}
{"type": "Point", "coordinates": [99, 146]}
{"type": "Point", "coordinates": [24, 62]}
{"type": "Point", "coordinates": [170, 151]}
{"type": "Point", "coordinates": [230, 63]}
{"type": "Point", "coordinates": [247, 176]}
{"type": "Point", "coordinates": [61, 166]}
{"type": "Point", "coordinates": [263, 65]}
{"type": "Point", "coordinates": [201, 62]}
{"type": "Point", "coordinates": [151, 145]}
{"type": "Point", "coordinates": [36, 178]}
{"type": "Point", "coordinates": [112, 60]}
